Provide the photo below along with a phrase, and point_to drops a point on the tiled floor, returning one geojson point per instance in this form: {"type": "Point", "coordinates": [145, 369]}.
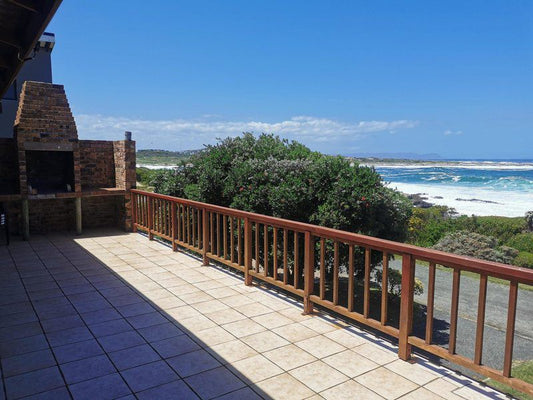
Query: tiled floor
{"type": "Point", "coordinates": [112, 315]}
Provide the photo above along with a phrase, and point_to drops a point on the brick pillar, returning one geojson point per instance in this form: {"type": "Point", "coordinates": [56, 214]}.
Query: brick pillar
{"type": "Point", "coordinates": [125, 174]}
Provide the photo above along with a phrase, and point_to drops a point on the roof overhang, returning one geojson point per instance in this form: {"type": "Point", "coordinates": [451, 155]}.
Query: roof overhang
{"type": "Point", "coordinates": [22, 22]}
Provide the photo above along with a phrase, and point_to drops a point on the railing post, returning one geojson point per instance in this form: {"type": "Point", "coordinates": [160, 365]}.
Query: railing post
{"type": "Point", "coordinates": [150, 219]}
{"type": "Point", "coordinates": [205, 236]}
{"type": "Point", "coordinates": [174, 225]}
{"type": "Point", "coordinates": [309, 272]}
{"type": "Point", "coordinates": [133, 199]}
{"type": "Point", "coordinates": [406, 306]}
{"type": "Point", "coordinates": [247, 251]}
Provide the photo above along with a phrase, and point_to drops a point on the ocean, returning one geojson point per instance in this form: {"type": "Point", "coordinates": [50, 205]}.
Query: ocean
{"type": "Point", "coordinates": [481, 187]}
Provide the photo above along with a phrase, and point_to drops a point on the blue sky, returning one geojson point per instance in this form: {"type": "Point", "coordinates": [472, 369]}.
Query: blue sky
{"type": "Point", "coordinates": [343, 77]}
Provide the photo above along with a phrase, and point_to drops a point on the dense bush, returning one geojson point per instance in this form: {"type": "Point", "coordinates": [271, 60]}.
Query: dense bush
{"type": "Point", "coordinates": [522, 242]}
{"type": "Point", "coordinates": [285, 179]}
{"type": "Point", "coordinates": [476, 245]}
{"type": "Point", "coordinates": [524, 259]}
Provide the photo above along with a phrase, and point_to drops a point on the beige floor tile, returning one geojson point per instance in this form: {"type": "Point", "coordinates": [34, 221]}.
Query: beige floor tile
{"type": "Point", "coordinates": [234, 350]}
{"type": "Point", "coordinates": [477, 391]}
{"type": "Point", "coordinates": [243, 328]}
{"type": "Point", "coordinates": [295, 332]}
{"type": "Point", "coordinates": [318, 376]}
{"type": "Point", "coordinates": [422, 394]}
{"type": "Point", "coordinates": [197, 323]}
{"type": "Point", "coordinates": [350, 363]}
{"type": "Point", "coordinates": [412, 371]}
{"type": "Point", "coordinates": [214, 336]}
{"type": "Point", "coordinates": [264, 341]}
{"type": "Point", "coordinates": [208, 285]}
{"type": "Point", "coordinates": [272, 320]}
{"type": "Point", "coordinates": [222, 293]}
{"type": "Point", "coordinates": [225, 316]}
{"type": "Point", "coordinates": [289, 357]}
{"type": "Point", "coordinates": [167, 302]}
{"type": "Point", "coordinates": [284, 387]}
{"type": "Point", "coordinates": [255, 369]}
{"type": "Point", "coordinates": [346, 338]}
{"type": "Point", "coordinates": [210, 306]}
{"type": "Point", "coordinates": [350, 390]}
{"type": "Point", "coordinates": [319, 325]}
{"type": "Point", "coordinates": [195, 297]}
{"type": "Point", "coordinates": [236, 300]}
{"type": "Point", "coordinates": [254, 309]}
{"type": "Point", "coordinates": [182, 312]}
{"type": "Point", "coordinates": [386, 383]}
{"type": "Point", "coordinates": [294, 313]}
{"type": "Point", "coordinates": [320, 346]}
{"type": "Point", "coordinates": [376, 353]}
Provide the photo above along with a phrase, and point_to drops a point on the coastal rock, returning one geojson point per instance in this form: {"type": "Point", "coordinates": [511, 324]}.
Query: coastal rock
{"type": "Point", "coordinates": [479, 201]}
{"type": "Point", "coordinates": [419, 200]}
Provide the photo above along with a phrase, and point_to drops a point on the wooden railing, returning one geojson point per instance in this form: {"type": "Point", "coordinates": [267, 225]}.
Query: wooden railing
{"type": "Point", "coordinates": [333, 269]}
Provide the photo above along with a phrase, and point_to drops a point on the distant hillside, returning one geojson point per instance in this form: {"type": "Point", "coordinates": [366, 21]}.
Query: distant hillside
{"type": "Point", "coordinates": [163, 157]}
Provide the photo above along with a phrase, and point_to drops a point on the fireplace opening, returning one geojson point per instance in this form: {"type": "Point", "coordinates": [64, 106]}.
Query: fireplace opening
{"type": "Point", "coordinates": [50, 171]}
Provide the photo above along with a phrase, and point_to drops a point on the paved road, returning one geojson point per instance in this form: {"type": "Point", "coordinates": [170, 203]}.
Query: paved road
{"type": "Point", "coordinates": [495, 319]}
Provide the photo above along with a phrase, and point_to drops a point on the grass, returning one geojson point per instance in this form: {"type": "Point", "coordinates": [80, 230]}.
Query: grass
{"type": "Point", "coordinates": [522, 370]}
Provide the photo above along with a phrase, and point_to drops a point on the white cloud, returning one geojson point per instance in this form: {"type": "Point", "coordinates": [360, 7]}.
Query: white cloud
{"type": "Point", "coordinates": [450, 133]}
{"type": "Point", "coordinates": [179, 134]}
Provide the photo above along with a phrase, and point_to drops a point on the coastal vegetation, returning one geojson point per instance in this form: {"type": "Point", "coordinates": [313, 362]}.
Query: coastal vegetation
{"type": "Point", "coordinates": [272, 176]}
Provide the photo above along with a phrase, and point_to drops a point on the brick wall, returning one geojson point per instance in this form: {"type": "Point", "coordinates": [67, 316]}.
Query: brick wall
{"type": "Point", "coordinates": [51, 215]}
{"type": "Point", "coordinates": [97, 164]}
{"type": "Point", "coordinates": [100, 212]}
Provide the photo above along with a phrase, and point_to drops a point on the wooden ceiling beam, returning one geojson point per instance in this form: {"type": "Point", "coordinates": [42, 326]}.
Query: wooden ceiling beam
{"type": "Point", "coordinates": [10, 39]}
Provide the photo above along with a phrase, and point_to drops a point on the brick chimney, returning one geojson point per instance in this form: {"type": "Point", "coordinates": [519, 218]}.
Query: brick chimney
{"type": "Point", "coordinates": [47, 140]}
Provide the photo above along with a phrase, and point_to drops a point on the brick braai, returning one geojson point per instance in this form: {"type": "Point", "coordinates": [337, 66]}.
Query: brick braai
{"type": "Point", "coordinates": [51, 180]}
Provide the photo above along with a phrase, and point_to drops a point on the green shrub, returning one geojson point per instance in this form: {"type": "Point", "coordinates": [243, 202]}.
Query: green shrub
{"type": "Point", "coordinates": [502, 228]}
{"type": "Point", "coordinates": [394, 282]}
{"type": "Point", "coordinates": [524, 259]}
{"type": "Point", "coordinates": [476, 245]}
{"type": "Point", "coordinates": [522, 242]}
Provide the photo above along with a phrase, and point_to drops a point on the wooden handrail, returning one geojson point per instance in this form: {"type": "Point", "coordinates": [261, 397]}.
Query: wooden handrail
{"type": "Point", "coordinates": [498, 270]}
{"type": "Point", "coordinates": [253, 248]}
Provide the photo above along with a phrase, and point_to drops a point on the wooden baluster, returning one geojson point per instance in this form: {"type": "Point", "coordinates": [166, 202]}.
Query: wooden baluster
{"type": "Point", "coordinates": [239, 238]}
{"type": "Point", "coordinates": [455, 310]}
{"type": "Point", "coordinates": [231, 240]}
{"type": "Point", "coordinates": [509, 334]}
{"type": "Point", "coordinates": [351, 271]}
{"type": "Point", "coordinates": [212, 233]}
{"type": "Point", "coordinates": [322, 268]}
{"type": "Point", "coordinates": [188, 221]}
{"type": "Point", "coordinates": [309, 271]}
{"type": "Point", "coordinates": [265, 250]}
{"type": "Point", "coordinates": [205, 236]}
{"type": "Point", "coordinates": [366, 297]}
{"type": "Point", "coordinates": [406, 306]}
{"type": "Point", "coordinates": [179, 214]}
{"type": "Point", "coordinates": [275, 252]}
{"type": "Point", "coordinates": [257, 247]}
{"type": "Point", "coordinates": [430, 303]}
{"type": "Point", "coordinates": [194, 231]}
{"type": "Point", "coordinates": [480, 328]}
{"type": "Point", "coordinates": [247, 251]}
{"type": "Point", "coordinates": [134, 218]}
{"type": "Point", "coordinates": [217, 216]}
{"type": "Point", "coordinates": [225, 237]}
{"type": "Point", "coordinates": [150, 220]}
{"type": "Point", "coordinates": [335, 272]}
{"type": "Point", "coordinates": [385, 289]}
{"type": "Point", "coordinates": [296, 262]}
{"type": "Point", "coordinates": [285, 256]}
{"type": "Point", "coordinates": [174, 226]}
